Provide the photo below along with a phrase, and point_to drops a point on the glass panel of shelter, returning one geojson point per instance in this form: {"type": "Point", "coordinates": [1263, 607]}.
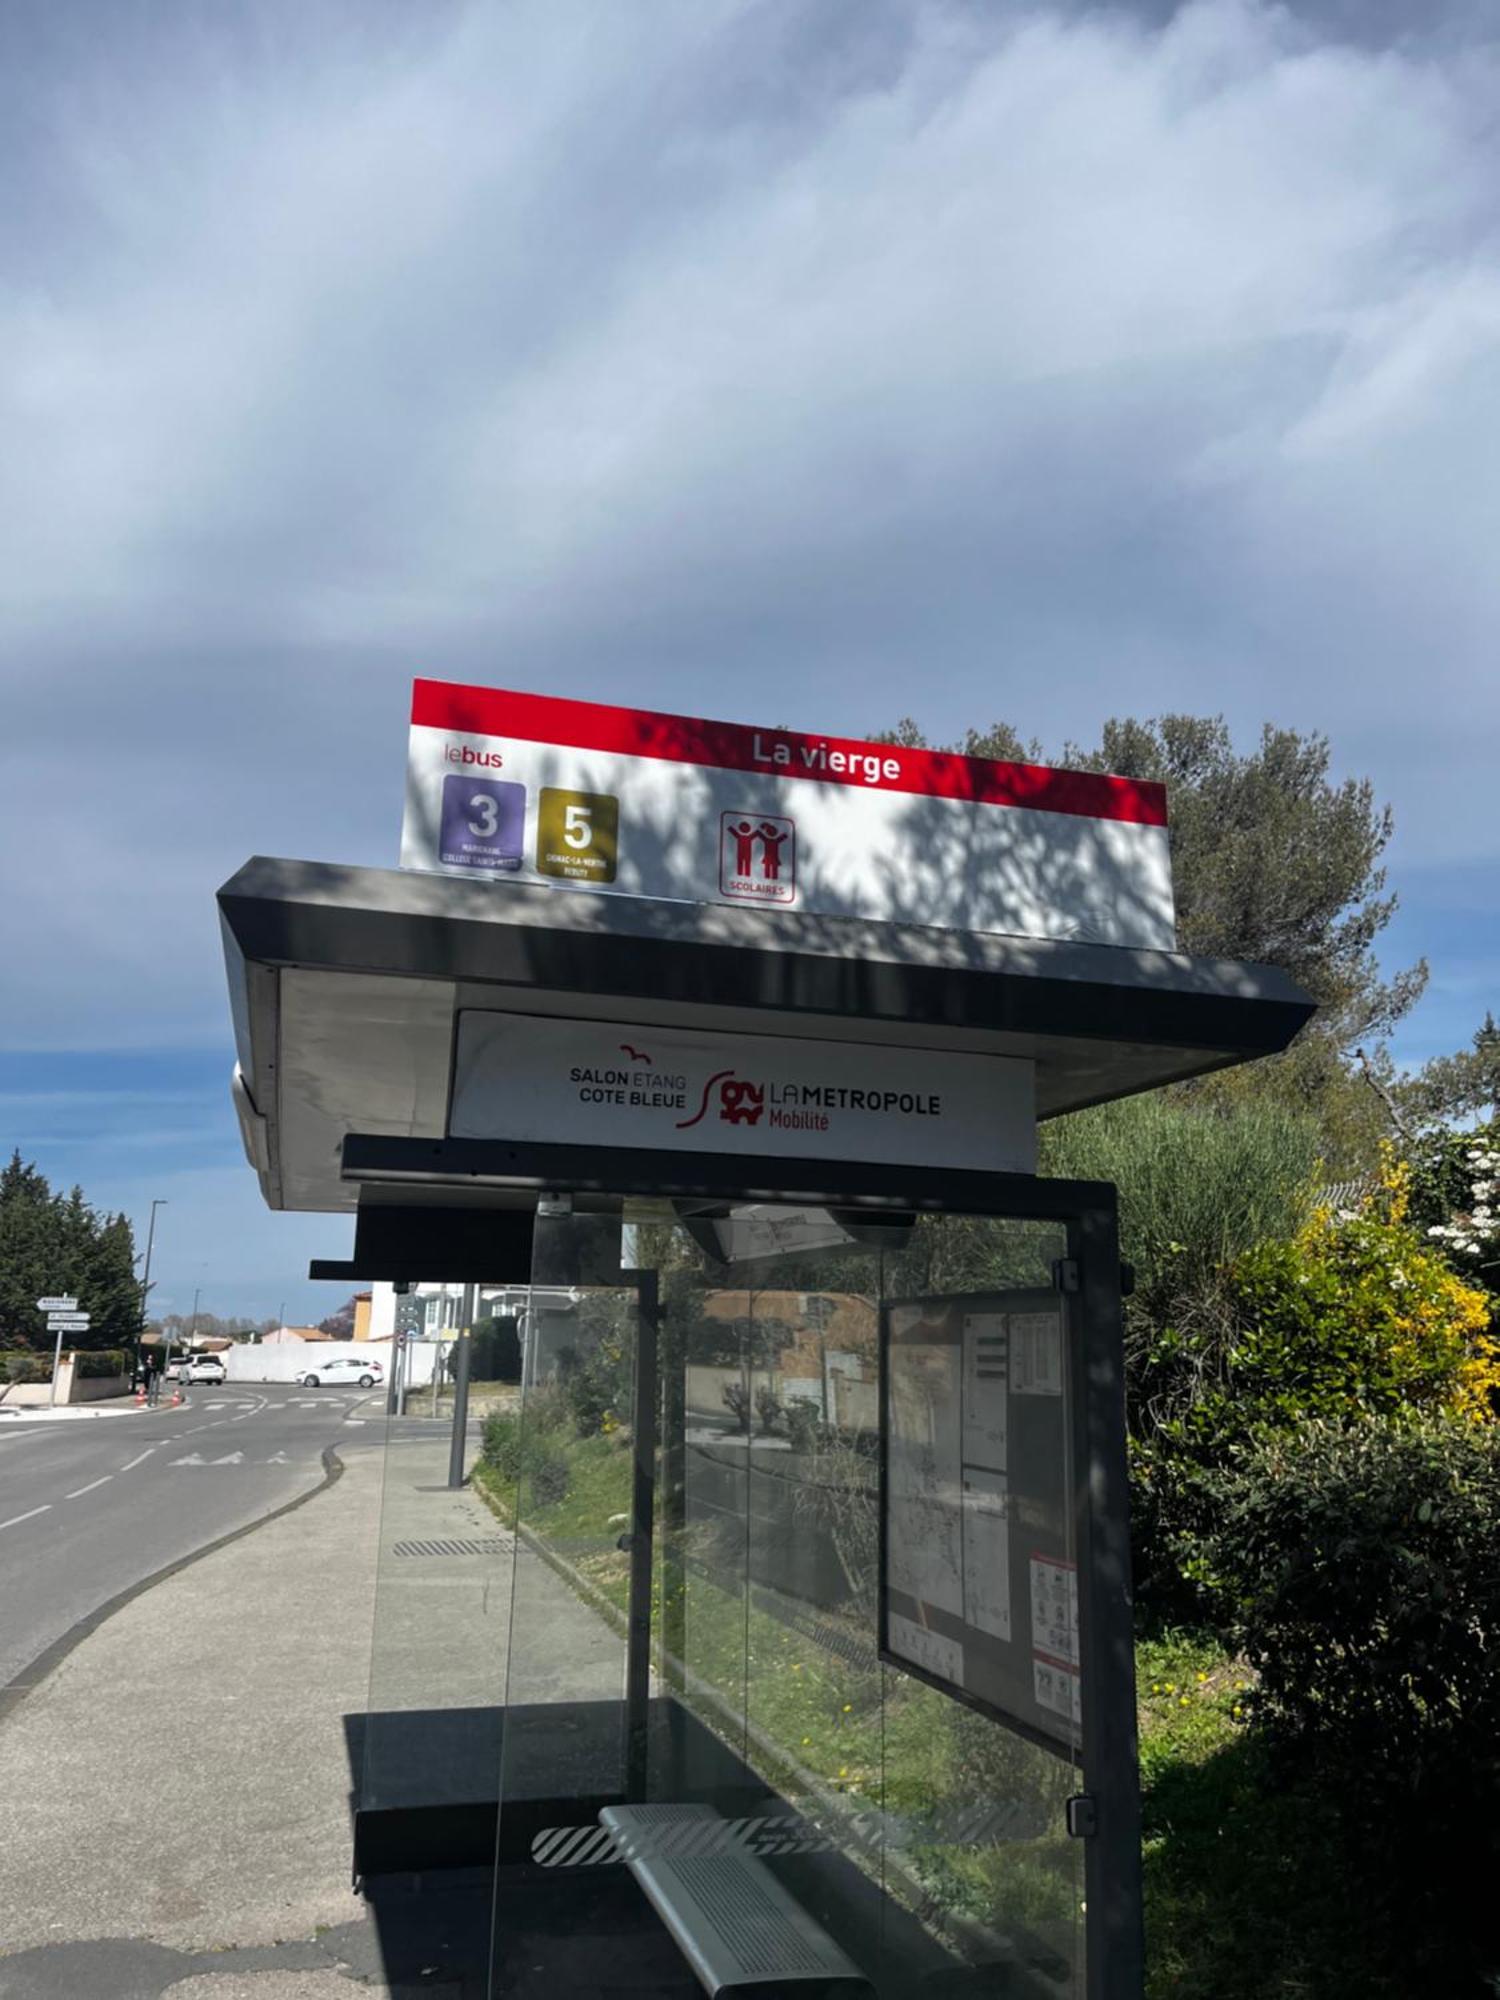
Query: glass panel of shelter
{"type": "Point", "coordinates": [833, 1464]}
{"type": "Point", "coordinates": [425, 1766]}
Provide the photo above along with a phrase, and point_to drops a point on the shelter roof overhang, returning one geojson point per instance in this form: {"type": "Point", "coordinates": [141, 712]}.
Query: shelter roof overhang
{"type": "Point", "coordinates": [346, 984]}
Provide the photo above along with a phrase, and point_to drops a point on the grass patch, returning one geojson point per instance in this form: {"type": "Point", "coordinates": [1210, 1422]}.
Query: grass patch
{"type": "Point", "coordinates": [1244, 1870]}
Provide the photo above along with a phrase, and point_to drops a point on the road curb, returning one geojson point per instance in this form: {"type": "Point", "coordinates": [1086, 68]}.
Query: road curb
{"type": "Point", "coordinates": [31, 1676]}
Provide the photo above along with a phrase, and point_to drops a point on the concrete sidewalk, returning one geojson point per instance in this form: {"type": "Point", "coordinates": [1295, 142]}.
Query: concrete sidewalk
{"type": "Point", "coordinates": [174, 1797]}
{"type": "Point", "coordinates": [175, 1794]}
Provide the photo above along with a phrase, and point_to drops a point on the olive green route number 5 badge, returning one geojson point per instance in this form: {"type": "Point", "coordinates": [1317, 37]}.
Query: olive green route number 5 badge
{"type": "Point", "coordinates": [578, 834]}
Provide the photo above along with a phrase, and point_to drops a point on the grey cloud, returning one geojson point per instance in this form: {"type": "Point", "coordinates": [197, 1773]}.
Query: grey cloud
{"type": "Point", "coordinates": [814, 364]}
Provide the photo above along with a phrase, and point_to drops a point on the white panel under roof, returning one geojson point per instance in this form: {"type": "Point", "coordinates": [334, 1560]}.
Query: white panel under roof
{"type": "Point", "coordinates": [359, 1051]}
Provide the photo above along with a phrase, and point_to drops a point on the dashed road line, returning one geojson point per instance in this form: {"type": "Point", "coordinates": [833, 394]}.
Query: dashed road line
{"type": "Point", "coordinates": [136, 1461]}
{"type": "Point", "coordinates": [16, 1519]}
{"type": "Point", "coordinates": [90, 1487]}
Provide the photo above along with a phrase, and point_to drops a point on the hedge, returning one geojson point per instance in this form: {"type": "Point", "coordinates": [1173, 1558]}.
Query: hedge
{"type": "Point", "coordinates": [92, 1364]}
{"type": "Point", "coordinates": [1362, 1562]}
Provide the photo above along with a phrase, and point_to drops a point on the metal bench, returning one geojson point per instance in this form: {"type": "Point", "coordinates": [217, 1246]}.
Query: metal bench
{"type": "Point", "coordinates": [738, 1928]}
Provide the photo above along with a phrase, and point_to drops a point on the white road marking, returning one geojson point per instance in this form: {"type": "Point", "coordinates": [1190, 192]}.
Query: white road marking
{"type": "Point", "coordinates": [279, 1458]}
{"type": "Point", "coordinates": [136, 1461]}
{"type": "Point", "coordinates": [354, 1420]}
{"type": "Point", "coordinates": [90, 1487]}
{"type": "Point", "coordinates": [196, 1458]}
{"type": "Point", "coordinates": [16, 1519]}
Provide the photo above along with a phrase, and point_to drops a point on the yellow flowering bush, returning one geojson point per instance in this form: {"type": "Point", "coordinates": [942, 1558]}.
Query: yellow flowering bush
{"type": "Point", "coordinates": [1356, 1315]}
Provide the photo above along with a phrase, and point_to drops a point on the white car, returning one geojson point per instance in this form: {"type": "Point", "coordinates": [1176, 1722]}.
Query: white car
{"type": "Point", "coordinates": [343, 1368]}
{"type": "Point", "coordinates": [198, 1368]}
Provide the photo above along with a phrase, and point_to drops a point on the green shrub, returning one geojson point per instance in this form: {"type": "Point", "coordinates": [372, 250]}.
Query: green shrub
{"type": "Point", "coordinates": [93, 1366]}
{"type": "Point", "coordinates": [594, 1374]}
{"type": "Point", "coordinates": [551, 1477]}
{"type": "Point", "coordinates": [804, 1424]}
{"type": "Point", "coordinates": [1198, 1187]}
{"type": "Point", "coordinates": [500, 1443]}
{"type": "Point", "coordinates": [594, 1393]}
{"type": "Point", "coordinates": [1455, 1181]}
{"type": "Point", "coordinates": [1362, 1562]}
{"type": "Point", "coordinates": [515, 1442]}
{"type": "Point", "coordinates": [23, 1366]}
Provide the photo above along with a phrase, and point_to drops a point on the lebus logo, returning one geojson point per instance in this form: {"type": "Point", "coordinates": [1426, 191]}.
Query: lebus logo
{"type": "Point", "coordinates": [463, 753]}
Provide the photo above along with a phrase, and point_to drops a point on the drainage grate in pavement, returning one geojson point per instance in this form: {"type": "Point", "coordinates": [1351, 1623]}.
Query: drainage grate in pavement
{"type": "Point", "coordinates": [487, 1546]}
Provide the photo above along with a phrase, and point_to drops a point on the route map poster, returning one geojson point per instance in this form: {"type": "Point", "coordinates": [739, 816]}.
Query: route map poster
{"type": "Point", "coordinates": [979, 1587]}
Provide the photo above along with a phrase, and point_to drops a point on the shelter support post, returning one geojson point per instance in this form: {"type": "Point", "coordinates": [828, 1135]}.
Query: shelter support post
{"type": "Point", "coordinates": [1112, 1851]}
{"type": "Point", "coordinates": [642, 1528]}
{"type": "Point", "coordinates": [462, 1353]}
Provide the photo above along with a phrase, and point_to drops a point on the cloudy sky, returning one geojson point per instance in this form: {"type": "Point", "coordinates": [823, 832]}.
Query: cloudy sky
{"type": "Point", "coordinates": [808, 363]}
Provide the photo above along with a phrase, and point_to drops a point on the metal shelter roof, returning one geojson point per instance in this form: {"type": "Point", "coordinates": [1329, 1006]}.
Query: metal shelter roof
{"type": "Point", "coordinates": [346, 984]}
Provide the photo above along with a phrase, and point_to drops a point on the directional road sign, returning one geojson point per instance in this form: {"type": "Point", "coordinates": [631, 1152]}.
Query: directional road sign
{"type": "Point", "coordinates": [68, 1322]}
{"type": "Point", "coordinates": [60, 1305]}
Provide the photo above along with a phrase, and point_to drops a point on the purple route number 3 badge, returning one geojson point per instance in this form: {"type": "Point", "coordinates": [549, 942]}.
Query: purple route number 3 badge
{"type": "Point", "coordinates": [484, 823]}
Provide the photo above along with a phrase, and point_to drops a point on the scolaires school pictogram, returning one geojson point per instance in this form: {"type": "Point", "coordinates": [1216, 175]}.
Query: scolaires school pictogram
{"type": "Point", "coordinates": [758, 857]}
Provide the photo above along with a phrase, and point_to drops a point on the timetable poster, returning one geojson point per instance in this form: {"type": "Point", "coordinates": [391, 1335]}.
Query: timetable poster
{"type": "Point", "coordinates": [979, 1591]}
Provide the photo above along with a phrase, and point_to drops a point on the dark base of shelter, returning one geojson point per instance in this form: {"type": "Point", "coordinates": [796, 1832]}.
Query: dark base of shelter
{"type": "Point", "coordinates": [454, 1865]}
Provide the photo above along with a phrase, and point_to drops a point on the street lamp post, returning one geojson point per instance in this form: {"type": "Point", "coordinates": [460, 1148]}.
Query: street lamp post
{"type": "Point", "coordinates": [146, 1274]}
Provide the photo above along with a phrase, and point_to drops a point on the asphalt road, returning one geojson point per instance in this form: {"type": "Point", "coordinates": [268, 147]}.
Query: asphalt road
{"type": "Point", "coordinates": [90, 1507]}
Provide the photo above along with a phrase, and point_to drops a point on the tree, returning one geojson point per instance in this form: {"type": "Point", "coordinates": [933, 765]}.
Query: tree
{"type": "Point", "coordinates": [1276, 861]}
{"type": "Point", "coordinates": [1457, 1086]}
{"type": "Point", "coordinates": [180, 1327]}
{"type": "Point", "coordinates": [59, 1243]}
{"type": "Point", "coordinates": [341, 1323]}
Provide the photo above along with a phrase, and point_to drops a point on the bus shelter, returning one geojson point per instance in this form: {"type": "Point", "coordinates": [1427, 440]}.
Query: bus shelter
{"type": "Point", "coordinates": [780, 1640]}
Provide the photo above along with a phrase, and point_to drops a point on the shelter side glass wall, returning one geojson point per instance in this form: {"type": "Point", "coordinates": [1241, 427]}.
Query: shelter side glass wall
{"type": "Point", "coordinates": [916, 1816]}
{"type": "Point", "coordinates": [442, 1601]}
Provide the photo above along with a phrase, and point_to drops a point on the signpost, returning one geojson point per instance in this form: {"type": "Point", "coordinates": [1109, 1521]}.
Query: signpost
{"type": "Point", "coordinates": [63, 1317]}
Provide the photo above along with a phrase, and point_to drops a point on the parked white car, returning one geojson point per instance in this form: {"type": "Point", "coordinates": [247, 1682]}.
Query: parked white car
{"type": "Point", "coordinates": [198, 1368]}
{"type": "Point", "coordinates": [343, 1368]}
